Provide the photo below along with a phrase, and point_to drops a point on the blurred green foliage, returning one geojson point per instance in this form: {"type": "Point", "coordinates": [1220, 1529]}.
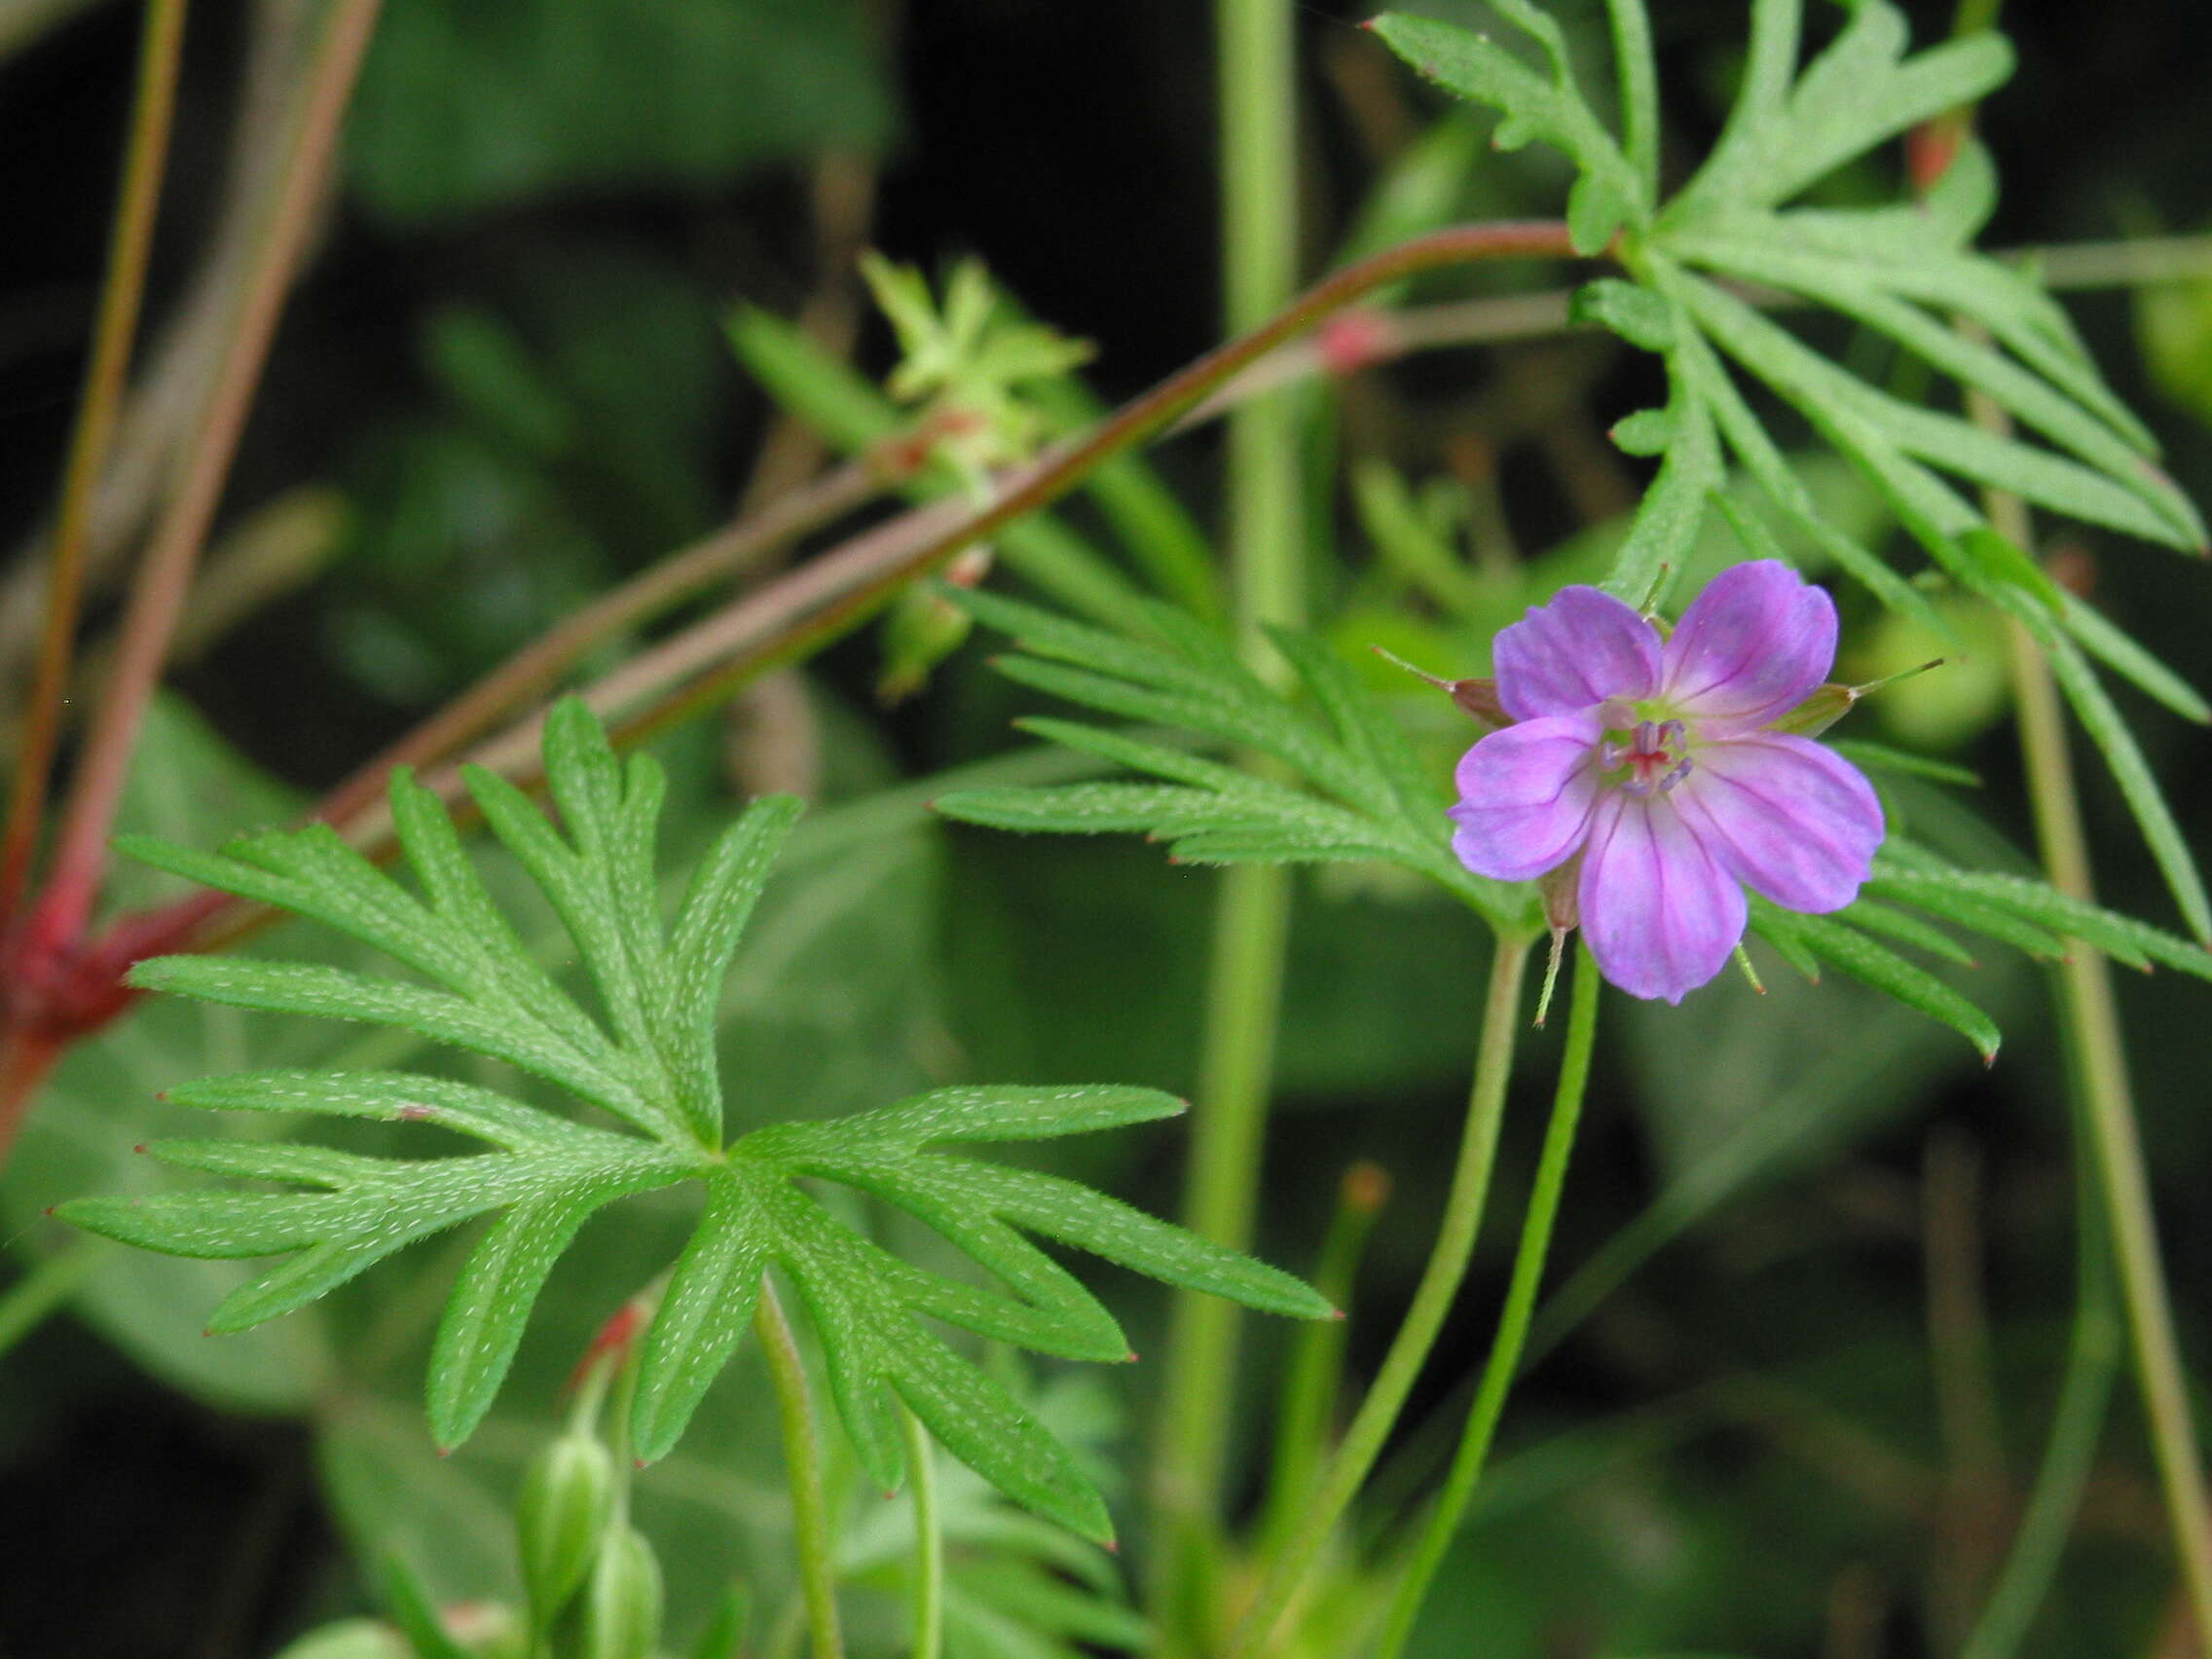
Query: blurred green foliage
{"type": "Point", "coordinates": [465, 106]}
{"type": "Point", "coordinates": [510, 365]}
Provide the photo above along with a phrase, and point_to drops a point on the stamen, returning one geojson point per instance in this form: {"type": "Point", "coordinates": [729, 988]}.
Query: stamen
{"type": "Point", "coordinates": [1655, 757]}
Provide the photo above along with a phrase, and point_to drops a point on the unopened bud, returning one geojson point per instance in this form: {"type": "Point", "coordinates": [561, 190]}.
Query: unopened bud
{"type": "Point", "coordinates": [1819, 712]}
{"type": "Point", "coordinates": [1831, 702]}
{"type": "Point", "coordinates": [622, 1612]}
{"type": "Point", "coordinates": [1476, 697]}
{"type": "Point", "coordinates": [1479, 698]}
{"type": "Point", "coordinates": [567, 1496]}
{"type": "Point", "coordinates": [1563, 911]}
{"type": "Point", "coordinates": [924, 628]}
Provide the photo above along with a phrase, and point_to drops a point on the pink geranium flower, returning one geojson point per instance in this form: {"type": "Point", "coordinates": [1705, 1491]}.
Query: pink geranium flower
{"type": "Point", "coordinates": [1656, 762]}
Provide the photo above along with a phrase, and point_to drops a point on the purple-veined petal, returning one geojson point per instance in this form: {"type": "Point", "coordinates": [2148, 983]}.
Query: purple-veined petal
{"type": "Point", "coordinates": [1659, 913]}
{"type": "Point", "coordinates": [1525, 795]}
{"type": "Point", "coordinates": [1787, 816]}
{"type": "Point", "coordinates": [1757, 642]}
{"type": "Point", "coordinates": [1574, 653]}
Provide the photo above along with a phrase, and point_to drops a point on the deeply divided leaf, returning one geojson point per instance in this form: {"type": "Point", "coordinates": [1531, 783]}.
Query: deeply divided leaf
{"type": "Point", "coordinates": [645, 1057]}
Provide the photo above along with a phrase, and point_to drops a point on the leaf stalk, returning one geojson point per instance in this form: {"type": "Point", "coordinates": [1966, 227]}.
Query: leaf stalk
{"type": "Point", "coordinates": [1287, 1573]}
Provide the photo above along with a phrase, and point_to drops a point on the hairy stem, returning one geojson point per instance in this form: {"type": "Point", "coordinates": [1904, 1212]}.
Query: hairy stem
{"type": "Point", "coordinates": [929, 1541]}
{"type": "Point", "coordinates": [1259, 146]}
{"type": "Point", "coordinates": [803, 1462]}
{"type": "Point", "coordinates": [1505, 1348]}
{"type": "Point", "coordinates": [129, 243]}
{"type": "Point", "coordinates": [157, 596]}
{"type": "Point", "coordinates": [1287, 1573]}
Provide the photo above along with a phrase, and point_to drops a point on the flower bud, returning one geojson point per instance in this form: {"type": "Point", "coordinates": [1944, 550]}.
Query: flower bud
{"type": "Point", "coordinates": [924, 628]}
{"type": "Point", "coordinates": [1819, 712]}
{"type": "Point", "coordinates": [621, 1610]}
{"type": "Point", "coordinates": [1479, 698]}
{"type": "Point", "coordinates": [567, 1496]}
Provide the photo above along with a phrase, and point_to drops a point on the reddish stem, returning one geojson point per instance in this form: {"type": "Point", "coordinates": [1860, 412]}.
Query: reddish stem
{"type": "Point", "coordinates": [158, 597]}
{"type": "Point", "coordinates": [831, 595]}
{"type": "Point", "coordinates": [1063, 468]}
{"type": "Point", "coordinates": [130, 245]}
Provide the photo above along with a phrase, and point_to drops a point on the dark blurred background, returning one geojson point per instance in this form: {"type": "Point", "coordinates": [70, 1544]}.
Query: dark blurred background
{"type": "Point", "coordinates": [503, 384]}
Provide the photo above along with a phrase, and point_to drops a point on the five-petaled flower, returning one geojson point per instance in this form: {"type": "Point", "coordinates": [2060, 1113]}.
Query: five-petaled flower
{"type": "Point", "coordinates": [1657, 762]}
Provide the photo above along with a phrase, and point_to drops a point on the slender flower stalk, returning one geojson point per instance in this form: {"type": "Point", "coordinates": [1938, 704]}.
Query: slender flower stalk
{"type": "Point", "coordinates": [929, 1541]}
{"type": "Point", "coordinates": [1305, 1408]}
{"type": "Point", "coordinates": [1507, 1346]}
{"type": "Point", "coordinates": [802, 1461]}
{"type": "Point", "coordinates": [1288, 1568]}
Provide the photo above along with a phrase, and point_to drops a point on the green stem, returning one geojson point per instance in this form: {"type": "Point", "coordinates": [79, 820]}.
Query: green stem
{"type": "Point", "coordinates": [1259, 145]}
{"type": "Point", "coordinates": [2077, 1422]}
{"type": "Point", "coordinates": [1504, 1361]}
{"type": "Point", "coordinates": [803, 1462]}
{"type": "Point", "coordinates": [1287, 1573]}
{"type": "Point", "coordinates": [1244, 996]}
{"type": "Point", "coordinates": [2092, 1019]}
{"type": "Point", "coordinates": [45, 1287]}
{"type": "Point", "coordinates": [1259, 154]}
{"type": "Point", "coordinates": [1316, 1372]}
{"type": "Point", "coordinates": [929, 1541]}
{"type": "Point", "coordinates": [130, 244]}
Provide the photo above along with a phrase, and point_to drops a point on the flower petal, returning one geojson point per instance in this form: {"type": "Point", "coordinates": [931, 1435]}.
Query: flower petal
{"type": "Point", "coordinates": [1659, 913]}
{"type": "Point", "coordinates": [1757, 642]}
{"type": "Point", "coordinates": [1785, 816]}
{"type": "Point", "coordinates": [1525, 796]}
{"type": "Point", "coordinates": [1573, 653]}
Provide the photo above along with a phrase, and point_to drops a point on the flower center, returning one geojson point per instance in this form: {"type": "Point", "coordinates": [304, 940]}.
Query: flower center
{"type": "Point", "coordinates": [1652, 757]}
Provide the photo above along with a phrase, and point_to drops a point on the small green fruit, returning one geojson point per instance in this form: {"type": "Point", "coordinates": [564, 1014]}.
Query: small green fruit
{"type": "Point", "coordinates": [621, 1611]}
{"type": "Point", "coordinates": [566, 1498]}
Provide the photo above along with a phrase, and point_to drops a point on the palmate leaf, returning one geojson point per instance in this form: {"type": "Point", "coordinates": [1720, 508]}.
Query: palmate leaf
{"type": "Point", "coordinates": [2028, 915]}
{"type": "Point", "coordinates": [1360, 792]}
{"type": "Point", "coordinates": [1905, 273]}
{"type": "Point", "coordinates": [647, 1058]}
